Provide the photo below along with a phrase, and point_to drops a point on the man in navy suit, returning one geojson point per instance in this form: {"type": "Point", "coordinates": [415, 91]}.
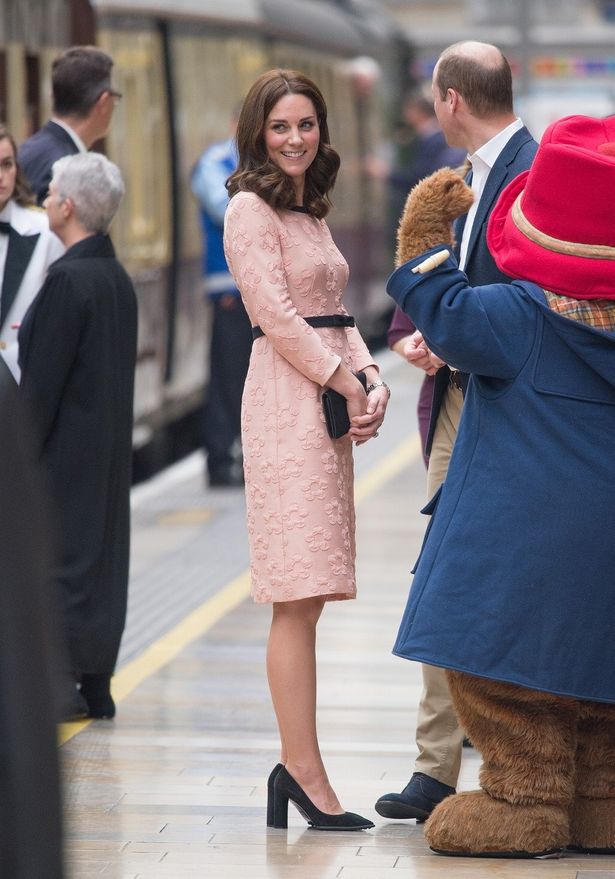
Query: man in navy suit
{"type": "Point", "coordinates": [472, 89]}
{"type": "Point", "coordinates": [83, 103]}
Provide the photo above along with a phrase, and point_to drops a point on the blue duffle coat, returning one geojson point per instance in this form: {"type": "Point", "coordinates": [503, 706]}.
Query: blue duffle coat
{"type": "Point", "coordinates": [516, 578]}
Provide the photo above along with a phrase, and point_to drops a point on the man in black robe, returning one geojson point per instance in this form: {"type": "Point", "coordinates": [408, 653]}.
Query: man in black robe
{"type": "Point", "coordinates": [77, 355]}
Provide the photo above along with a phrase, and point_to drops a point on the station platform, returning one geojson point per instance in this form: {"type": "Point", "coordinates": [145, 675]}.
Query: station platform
{"type": "Point", "coordinates": [175, 786]}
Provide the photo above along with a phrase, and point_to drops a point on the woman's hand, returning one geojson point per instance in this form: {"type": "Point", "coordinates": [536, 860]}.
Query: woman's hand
{"type": "Point", "coordinates": [348, 385]}
{"type": "Point", "coordinates": [365, 426]}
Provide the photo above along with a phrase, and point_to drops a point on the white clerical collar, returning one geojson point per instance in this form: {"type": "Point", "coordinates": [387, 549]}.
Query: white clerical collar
{"type": "Point", "coordinates": [72, 134]}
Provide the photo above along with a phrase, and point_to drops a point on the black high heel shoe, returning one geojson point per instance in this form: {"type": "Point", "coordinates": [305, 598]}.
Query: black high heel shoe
{"type": "Point", "coordinates": [285, 788]}
{"type": "Point", "coordinates": [270, 782]}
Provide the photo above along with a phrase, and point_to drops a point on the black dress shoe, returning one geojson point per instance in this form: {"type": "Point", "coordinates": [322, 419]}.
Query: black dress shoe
{"type": "Point", "coordinates": [73, 706]}
{"type": "Point", "coordinates": [96, 690]}
{"type": "Point", "coordinates": [285, 788]}
{"type": "Point", "coordinates": [417, 800]}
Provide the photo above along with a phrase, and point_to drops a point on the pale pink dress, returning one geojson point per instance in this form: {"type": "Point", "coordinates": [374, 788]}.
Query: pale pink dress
{"type": "Point", "coordinates": [299, 482]}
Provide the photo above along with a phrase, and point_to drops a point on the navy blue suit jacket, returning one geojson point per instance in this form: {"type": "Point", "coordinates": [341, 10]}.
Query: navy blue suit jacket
{"type": "Point", "coordinates": [37, 154]}
{"type": "Point", "coordinates": [480, 267]}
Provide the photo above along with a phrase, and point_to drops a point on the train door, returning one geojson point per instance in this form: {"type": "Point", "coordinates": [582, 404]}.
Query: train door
{"type": "Point", "coordinates": [212, 68]}
{"type": "Point", "coordinates": [139, 142]}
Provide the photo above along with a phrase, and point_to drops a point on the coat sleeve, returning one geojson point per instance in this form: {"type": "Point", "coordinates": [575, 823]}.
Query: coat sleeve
{"type": "Point", "coordinates": [254, 255]}
{"type": "Point", "coordinates": [483, 330]}
{"type": "Point", "coordinates": [48, 346]}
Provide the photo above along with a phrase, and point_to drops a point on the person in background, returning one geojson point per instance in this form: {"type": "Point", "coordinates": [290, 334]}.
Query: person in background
{"type": "Point", "coordinates": [399, 339]}
{"type": "Point", "coordinates": [231, 335]}
{"type": "Point", "coordinates": [472, 91]}
{"type": "Point", "coordinates": [77, 353]}
{"type": "Point", "coordinates": [27, 249]}
{"type": "Point", "coordinates": [299, 481]}
{"type": "Point", "coordinates": [430, 151]}
{"type": "Point", "coordinates": [83, 104]}
{"type": "Point", "coordinates": [30, 803]}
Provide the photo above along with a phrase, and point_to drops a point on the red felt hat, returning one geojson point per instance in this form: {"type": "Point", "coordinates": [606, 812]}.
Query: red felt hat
{"type": "Point", "coordinates": [555, 224]}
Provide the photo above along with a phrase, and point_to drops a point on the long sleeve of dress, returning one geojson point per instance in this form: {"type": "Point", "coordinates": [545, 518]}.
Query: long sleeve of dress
{"type": "Point", "coordinates": [254, 255]}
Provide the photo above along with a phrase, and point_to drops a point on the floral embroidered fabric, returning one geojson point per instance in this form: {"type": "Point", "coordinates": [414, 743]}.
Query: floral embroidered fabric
{"type": "Point", "coordinates": [299, 482]}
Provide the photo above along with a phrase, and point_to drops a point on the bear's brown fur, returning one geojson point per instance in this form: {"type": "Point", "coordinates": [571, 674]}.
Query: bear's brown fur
{"type": "Point", "coordinates": [430, 209]}
{"type": "Point", "coordinates": [547, 779]}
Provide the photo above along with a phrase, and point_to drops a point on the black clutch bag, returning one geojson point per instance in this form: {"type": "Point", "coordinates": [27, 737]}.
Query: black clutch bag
{"type": "Point", "coordinates": [335, 408]}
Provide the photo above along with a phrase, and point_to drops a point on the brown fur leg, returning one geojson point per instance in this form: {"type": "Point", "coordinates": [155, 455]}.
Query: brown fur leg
{"type": "Point", "coordinates": [592, 822]}
{"type": "Point", "coordinates": [528, 742]}
{"type": "Point", "coordinates": [475, 824]}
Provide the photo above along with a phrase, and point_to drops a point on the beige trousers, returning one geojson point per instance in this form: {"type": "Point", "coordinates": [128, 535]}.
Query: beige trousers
{"type": "Point", "coordinates": [439, 737]}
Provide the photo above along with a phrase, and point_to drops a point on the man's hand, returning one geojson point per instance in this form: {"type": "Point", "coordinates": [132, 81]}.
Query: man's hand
{"type": "Point", "coordinates": [416, 352]}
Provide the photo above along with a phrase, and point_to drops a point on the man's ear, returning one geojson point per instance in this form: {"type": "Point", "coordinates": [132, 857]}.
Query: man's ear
{"type": "Point", "coordinates": [452, 99]}
{"type": "Point", "coordinates": [67, 207]}
{"type": "Point", "coordinates": [102, 102]}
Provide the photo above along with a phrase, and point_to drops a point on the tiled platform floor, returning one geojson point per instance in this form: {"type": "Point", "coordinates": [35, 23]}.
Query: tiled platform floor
{"type": "Point", "coordinates": [175, 786]}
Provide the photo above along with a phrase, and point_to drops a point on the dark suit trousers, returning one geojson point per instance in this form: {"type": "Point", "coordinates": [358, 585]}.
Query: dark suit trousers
{"type": "Point", "coordinates": [231, 343]}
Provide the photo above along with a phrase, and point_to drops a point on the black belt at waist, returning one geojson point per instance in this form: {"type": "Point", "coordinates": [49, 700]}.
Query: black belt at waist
{"type": "Point", "coordinates": [320, 320]}
{"type": "Point", "coordinates": [458, 379]}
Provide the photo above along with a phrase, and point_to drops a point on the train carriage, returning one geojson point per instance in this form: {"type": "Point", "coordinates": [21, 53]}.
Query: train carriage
{"type": "Point", "coordinates": [182, 68]}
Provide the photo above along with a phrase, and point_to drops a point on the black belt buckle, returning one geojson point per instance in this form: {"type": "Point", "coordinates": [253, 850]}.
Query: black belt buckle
{"type": "Point", "coordinates": [455, 379]}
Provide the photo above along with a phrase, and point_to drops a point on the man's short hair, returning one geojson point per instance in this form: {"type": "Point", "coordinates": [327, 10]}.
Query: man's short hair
{"type": "Point", "coordinates": [93, 184]}
{"type": "Point", "coordinates": [486, 89]}
{"type": "Point", "coordinates": [79, 76]}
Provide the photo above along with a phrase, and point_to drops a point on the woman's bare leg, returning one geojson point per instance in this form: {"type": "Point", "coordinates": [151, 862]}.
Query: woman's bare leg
{"type": "Point", "coordinates": [291, 670]}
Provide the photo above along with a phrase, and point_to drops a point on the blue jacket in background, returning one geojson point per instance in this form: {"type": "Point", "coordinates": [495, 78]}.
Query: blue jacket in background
{"type": "Point", "coordinates": [516, 578]}
{"type": "Point", "coordinates": [207, 181]}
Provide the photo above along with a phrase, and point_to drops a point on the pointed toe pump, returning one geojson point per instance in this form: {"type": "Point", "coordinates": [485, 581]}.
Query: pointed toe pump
{"type": "Point", "coordinates": [285, 788]}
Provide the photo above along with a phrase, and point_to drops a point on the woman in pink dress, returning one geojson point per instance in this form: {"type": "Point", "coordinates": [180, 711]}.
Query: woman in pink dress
{"type": "Point", "coordinates": [299, 481]}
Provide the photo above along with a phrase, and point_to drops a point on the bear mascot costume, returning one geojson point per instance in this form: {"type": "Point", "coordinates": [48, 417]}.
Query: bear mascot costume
{"type": "Point", "coordinates": [514, 589]}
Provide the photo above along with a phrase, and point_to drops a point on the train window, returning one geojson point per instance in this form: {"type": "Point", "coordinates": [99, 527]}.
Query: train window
{"type": "Point", "coordinates": [138, 141]}
{"type": "Point", "coordinates": [3, 95]}
{"type": "Point", "coordinates": [212, 72]}
{"type": "Point", "coordinates": [33, 117]}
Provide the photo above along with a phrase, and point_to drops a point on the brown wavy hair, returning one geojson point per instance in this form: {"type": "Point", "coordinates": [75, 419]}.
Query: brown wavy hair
{"type": "Point", "coordinates": [256, 172]}
{"type": "Point", "coordinates": [22, 193]}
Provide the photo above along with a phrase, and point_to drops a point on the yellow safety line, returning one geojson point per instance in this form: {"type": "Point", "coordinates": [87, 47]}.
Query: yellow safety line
{"type": "Point", "coordinates": [207, 615]}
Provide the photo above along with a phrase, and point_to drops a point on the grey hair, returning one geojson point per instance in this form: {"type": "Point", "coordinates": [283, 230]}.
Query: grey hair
{"type": "Point", "coordinates": [93, 184]}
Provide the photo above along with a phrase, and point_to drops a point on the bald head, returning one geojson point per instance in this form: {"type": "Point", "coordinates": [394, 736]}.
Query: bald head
{"type": "Point", "coordinates": [478, 72]}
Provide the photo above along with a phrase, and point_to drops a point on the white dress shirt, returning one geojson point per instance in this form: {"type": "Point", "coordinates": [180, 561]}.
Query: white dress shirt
{"type": "Point", "coordinates": [48, 248]}
{"type": "Point", "coordinates": [5, 216]}
{"type": "Point", "coordinates": [482, 162]}
{"type": "Point", "coordinates": [72, 134]}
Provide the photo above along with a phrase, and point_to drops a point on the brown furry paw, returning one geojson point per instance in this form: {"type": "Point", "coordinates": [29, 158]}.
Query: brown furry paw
{"type": "Point", "coordinates": [430, 209]}
{"type": "Point", "coordinates": [592, 825]}
{"type": "Point", "coordinates": [476, 825]}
